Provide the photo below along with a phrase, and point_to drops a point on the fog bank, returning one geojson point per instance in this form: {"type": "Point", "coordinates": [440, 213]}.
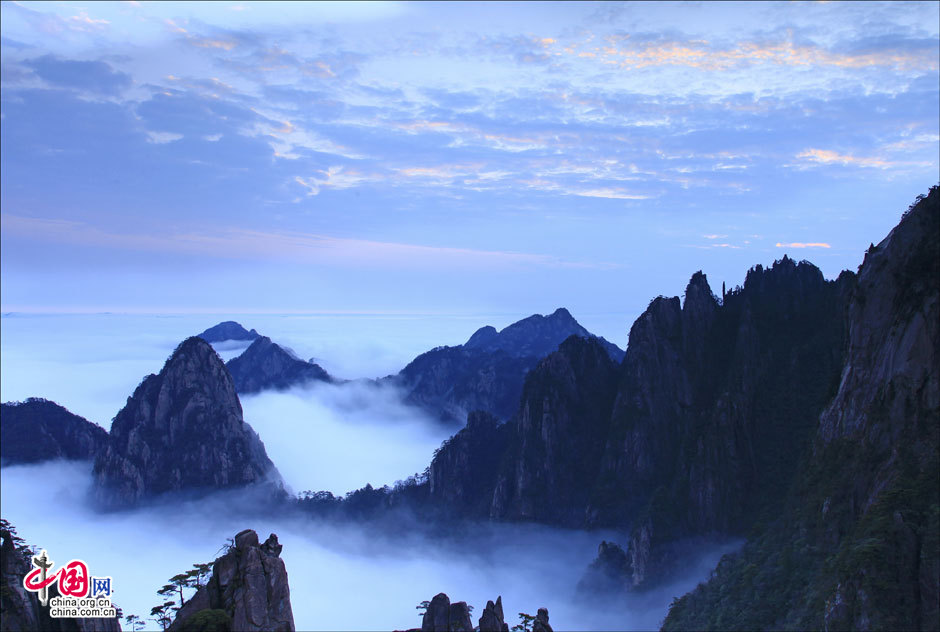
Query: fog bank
{"type": "Point", "coordinates": [340, 437]}
{"type": "Point", "coordinates": [341, 577]}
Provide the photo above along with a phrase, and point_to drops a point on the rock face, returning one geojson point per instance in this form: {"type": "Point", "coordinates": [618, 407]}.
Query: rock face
{"type": "Point", "coordinates": [266, 365]}
{"type": "Point", "coordinates": [856, 545]}
{"type": "Point", "coordinates": [541, 621]}
{"type": "Point", "coordinates": [492, 618]}
{"type": "Point", "coordinates": [697, 432]}
{"type": "Point", "coordinates": [463, 471]}
{"type": "Point", "coordinates": [610, 574]}
{"type": "Point", "coordinates": [249, 585]}
{"type": "Point", "coordinates": [487, 372]}
{"type": "Point", "coordinates": [39, 430]}
{"type": "Point", "coordinates": [557, 438]}
{"type": "Point", "coordinates": [181, 430]}
{"type": "Point", "coordinates": [444, 616]}
{"type": "Point", "coordinates": [716, 402]}
{"type": "Point", "coordinates": [20, 610]}
{"type": "Point", "coordinates": [228, 330]}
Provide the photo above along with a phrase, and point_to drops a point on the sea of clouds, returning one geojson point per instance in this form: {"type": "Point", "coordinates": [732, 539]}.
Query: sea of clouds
{"type": "Point", "coordinates": [321, 437]}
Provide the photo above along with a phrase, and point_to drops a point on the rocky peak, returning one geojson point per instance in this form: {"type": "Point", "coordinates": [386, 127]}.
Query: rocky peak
{"type": "Point", "coordinates": [492, 619]}
{"type": "Point", "coordinates": [699, 299]}
{"type": "Point", "coordinates": [248, 590]}
{"type": "Point", "coordinates": [39, 430]}
{"type": "Point", "coordinates": [266, 365]}
{"type": "Point", "coordinates": [482, 337]}
{"type": "Point", "coordinates": [698, 315]}
{"type": "Point", "coordinates": [610, 574]}
{"type": "Point", "coordinates": [228, 330]}
{"type": "Point", "coordinates": [786, 283]}
{"type": "Point", "coordinates": [541, 621]}
{"type": "Point", "coordinates": [181, 430]}
{"type": "Point", "coordinates": [444, 616]}
{"type": "Point", "coordinates": [535, 336]}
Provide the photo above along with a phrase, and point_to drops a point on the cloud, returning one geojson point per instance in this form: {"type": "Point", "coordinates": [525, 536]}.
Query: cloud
{"type": "Point", "coordinates": [828, 157]}
{"type": "Point", "coordinates": [626, 51]}
{"type": "Point", "coordinates": [93, 76]}
{"type": "Point", "coordinates": [373, 436]}
{"type": "Point", "coordinates": [291, 246]}
{"type": "Point", "coordinates": [797, 244]}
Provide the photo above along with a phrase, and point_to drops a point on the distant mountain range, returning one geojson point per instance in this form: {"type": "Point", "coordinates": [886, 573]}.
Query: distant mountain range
{"type": "Point", "coordinates": [487, 372]}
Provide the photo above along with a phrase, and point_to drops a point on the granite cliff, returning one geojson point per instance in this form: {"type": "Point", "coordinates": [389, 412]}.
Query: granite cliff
{"type": "Point", "coordinates": [181, 430]}
{"type": "Point", "coordinates": [248, 591]}
{"type": "Point", "coordinates": [39, 430]}
{"type": "Point", "coordinates": [855, 544]}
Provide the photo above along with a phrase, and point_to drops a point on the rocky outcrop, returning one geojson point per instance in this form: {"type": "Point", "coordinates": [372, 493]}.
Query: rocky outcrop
{"type": "Point", "coordinates": [541, 621]}
{"type": "Point", "coordinates": [487, 372]}
{"type": "Point", "coordinates": [492, 619]}
{"type": "Point", "coordinates": [39, 430]}
{"type": "Point", "coordinates": [20, 610]}
{"type": "Point", "coordinates": [464, 469]}
{"type": "Point", "coordinates": [228, 330]}
{"type": "Point", "coordinates": [444, 616]}
{"type": "Point", "coordinates": [182, 430]}
{"type": "Point", "coordinates": [248, 590]}
{"type": "Point", "coordinates": [610, 574]}
{"type": "Point", "coordinates": [266, 365]}
{"type": "Point", "coordinates": [556, 439]}
{"type": "Point", "coordinates": [855, 545]}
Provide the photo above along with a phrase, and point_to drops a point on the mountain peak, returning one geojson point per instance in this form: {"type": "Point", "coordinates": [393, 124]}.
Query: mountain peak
{"type": "Point", "coordinates": [265, 364]}
{"type": "Point", "coordinates": [562, 314]}
{"type": "Point", "coordinates": [535, 336]}
{"type": "Point", "coordinates": [228, 330]}
{"type": "Point", "coordinates": [182, 429]}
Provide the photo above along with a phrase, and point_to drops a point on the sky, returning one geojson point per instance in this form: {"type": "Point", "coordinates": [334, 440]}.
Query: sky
{"type": "Point", "coordinates": [449, 158]}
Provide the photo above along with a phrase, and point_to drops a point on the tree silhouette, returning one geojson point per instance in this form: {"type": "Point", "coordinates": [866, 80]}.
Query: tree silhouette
{"type": "Point", "coordinates": [161, 614]}
{"type": "Point", "coordinates": [525, 623]}
{"type": "Point", "coordinates": [135, 622]}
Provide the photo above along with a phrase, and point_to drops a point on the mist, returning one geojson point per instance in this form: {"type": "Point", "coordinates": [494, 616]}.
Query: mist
{"type": "Point", "coordinates": [339, 437]}
{"type": "Point", "coordinates": [342, 576]}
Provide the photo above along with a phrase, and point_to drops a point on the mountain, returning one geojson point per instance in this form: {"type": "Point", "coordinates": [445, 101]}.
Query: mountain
{"type": "Point", "coordinates": [266, 365]}
{"type": "Point", "coordinates": [39, 430]}
{"type": "Point", "coordinates": [856, 543]}
{"type": "Point", "coordinates": [228, 330]}
{"type": "Point", "coordinates": [247, 591]}
{"type": "Point", "coordinates": [181, 430]}
{"type": "Point", "coordinates": [535, 336]}
{"type": "Point", "coordinates": [692, 434]}
{"type": "Point", "coordinates": [487, 372]}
